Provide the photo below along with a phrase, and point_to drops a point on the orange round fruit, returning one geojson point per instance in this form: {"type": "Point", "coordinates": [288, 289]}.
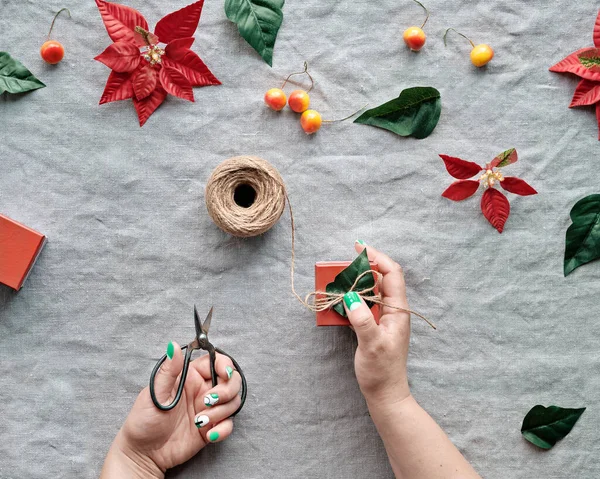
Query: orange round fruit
{"type": "Point", "coordinates": [414, 37]}
{"type": "Point", "coordinates": [310, 121]}
{"type": "Point", "coordinates": [481, 55]}
{"type": "Point", "coordinates": [299, 101]}
{"type": "Point", "coordinates": [52, 52]}
{"type": "Point", "coordinates": [275, 99]}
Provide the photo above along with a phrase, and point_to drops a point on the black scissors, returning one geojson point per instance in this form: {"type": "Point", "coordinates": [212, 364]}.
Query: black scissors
{"type": "Point", "coordinates": [200, 342]}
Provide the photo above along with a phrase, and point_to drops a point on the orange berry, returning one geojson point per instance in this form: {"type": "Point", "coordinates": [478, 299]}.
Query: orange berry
{"type": "Point", "coordinates": [275, 99]}
{"type": "Point", "coordinates": [310, 121]}
{"type": "Point", "coordinates": [52, 52]}
{"type": "Point", "coordinates": [299, 101]}
{"type": "Point", "coordinates": [414, 37]}
{"type": "Point", "coordinates": [481, 55]}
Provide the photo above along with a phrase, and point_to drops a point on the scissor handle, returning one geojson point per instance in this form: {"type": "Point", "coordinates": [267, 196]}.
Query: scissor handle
{"type": "Point", "coordinates": [244, 384]}
{"type": "Point", "coordinates": [186, 365]}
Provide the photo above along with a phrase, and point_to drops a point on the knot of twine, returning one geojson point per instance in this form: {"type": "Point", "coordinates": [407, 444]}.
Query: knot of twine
{"type": "Point", "coordinates": [263, 212]}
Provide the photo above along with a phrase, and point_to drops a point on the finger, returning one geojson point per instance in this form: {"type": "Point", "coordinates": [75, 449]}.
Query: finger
{"type": "Point", "coordinates": [209, 417]}
{"type": "Point", "coordinates": [164, 383]}
{"type": "Point", "coordinates": [221, 431]}
{"type": "Point", "coordinates": [222, 393]}
{"type": "Point", "coordinates": [223, 366]}
{"type": "Point", "coordinates": [393, 287]}
{"type": "Point", "coordinates": [360, 318]}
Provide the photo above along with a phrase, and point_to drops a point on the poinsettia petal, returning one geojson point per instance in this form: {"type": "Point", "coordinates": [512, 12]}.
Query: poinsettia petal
{"type": "Point", "coordinates": [597, 31]}
{"type": "Point", "coordinates": [460, 169]}
{"type": "Point", "coordinates": [191, 66]}
{"type": "Point", "coordinates": [179, 24]}
{"type": "Point", "coordinates": [175, 83]}
{"type": "Point", "coordinates": [572, 64]}
{"type": "Point", "coordinates": [460, 190]}
{"type": "Point", "coordinates": [598, 118]}
{"type": "Point", "coordinates": [120, 57]}
{"type": "Point", "coordinates": [495, 207]}
{"type": "Point", "coordinates": [148, 105]}
{"type": "Point", "coordinates": [586, 93]}
{"type": "Point", "coordinates": [517, 186]}
{"type": "Point", "coordinates": [144, 81]}
{"type": "Point", "coordinates": [120, 22]}
{"type": "Point", "coordinates": [505, 158]}
{"type": "Point", "coordinates": [118, 87]}
{"type": "Point", "coordinates": [180, 44]}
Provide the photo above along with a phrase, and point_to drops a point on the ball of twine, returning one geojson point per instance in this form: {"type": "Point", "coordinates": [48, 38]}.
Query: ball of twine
{"type": "Point", "coordinates": [245, 196]}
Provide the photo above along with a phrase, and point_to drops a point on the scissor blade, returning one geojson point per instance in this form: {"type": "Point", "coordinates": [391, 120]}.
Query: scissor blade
{"type": "Point", "coordinates": [206, 323]}
{"type": "Point", "coordinates": [197, 323]}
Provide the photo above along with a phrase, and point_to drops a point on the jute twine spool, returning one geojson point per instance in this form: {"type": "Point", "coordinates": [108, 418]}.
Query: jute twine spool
{"type": "Point", "coordinates": [246, 196]}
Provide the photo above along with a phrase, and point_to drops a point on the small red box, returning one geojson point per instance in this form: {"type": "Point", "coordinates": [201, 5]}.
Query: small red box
{"type": "Point", "coordinates": [325, 273]}
{"type": "Point", "coordinates": [20, 247]}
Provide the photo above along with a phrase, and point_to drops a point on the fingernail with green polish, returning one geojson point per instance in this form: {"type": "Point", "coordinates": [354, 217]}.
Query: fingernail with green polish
{"type": "Point", "coordinates": [229, 370]}
{"type": "Point", "coordinates": [201, 420]}
{"type": "Point", "coordinates": [352, 300]}
{"type": "Point", "coordinates": [170, 350]}
{"type": "Point", "coordinates": [211, 399]}
{"type": "Point", "coordinates": [361, 242]}
{"type": "Point", "coordinates": [213, 436]}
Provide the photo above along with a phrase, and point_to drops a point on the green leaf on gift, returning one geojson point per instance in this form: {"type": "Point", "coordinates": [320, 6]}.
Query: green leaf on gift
{"type": "Point", "coordinates": [345, 279]}
{"type": "Point", "coordinates": [583, 236]}
{"type": "Point", "coordinates": [415, 112]}
{"type": "Point", "coordinates": [544, 426]}
{"type": "Point", "coordinates": [258, 22]}
{"type": "Point", "coordinates": [14, 77]}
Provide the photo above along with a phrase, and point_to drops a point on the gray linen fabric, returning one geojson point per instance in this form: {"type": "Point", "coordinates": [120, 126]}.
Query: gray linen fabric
{"type": "Point", "coordinates": [131, 247]}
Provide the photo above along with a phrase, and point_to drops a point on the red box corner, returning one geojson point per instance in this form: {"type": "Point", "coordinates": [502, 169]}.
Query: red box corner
{"type": "Point", "coordinates": [20, 247]}
{"type": "Point", "coordinates": [325, 273]}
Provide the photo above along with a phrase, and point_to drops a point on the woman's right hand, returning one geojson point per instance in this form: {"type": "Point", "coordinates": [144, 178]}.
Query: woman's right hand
{"type": "Point", "coordinates": [380, 360]}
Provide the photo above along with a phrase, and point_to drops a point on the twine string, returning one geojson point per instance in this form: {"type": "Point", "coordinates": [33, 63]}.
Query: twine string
{"type": "Point", "coordinates": [266, 209]}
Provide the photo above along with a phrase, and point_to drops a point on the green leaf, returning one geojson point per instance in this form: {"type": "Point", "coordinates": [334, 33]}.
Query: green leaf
{"type": "Point", "coordinates": [543, 426]}
{"type": "Point", "coordinates": [505, 158]}
{"type": "Point", "coordinates": [583, 236]}
{"type": "Point", "coordinates": [14, 77]}
{"type": "Point", "coordinates": [346, 278]}
{"type": "Point", "coordinates": [258, 22]}
{"type": "Point", "coordinates": [414, 113]}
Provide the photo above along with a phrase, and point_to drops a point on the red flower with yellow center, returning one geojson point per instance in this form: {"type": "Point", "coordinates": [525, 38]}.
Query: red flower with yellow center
{"type": "Point", "coordinates": [494, 204]}
{"type": "Point", "coordinates": [148, 75]}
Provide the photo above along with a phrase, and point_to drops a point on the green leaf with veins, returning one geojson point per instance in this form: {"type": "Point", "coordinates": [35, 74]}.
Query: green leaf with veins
{"type": "Point", "coordinates": [345, 279]}
{"type": "Point", "coordinates": [583, 236]}
{"type": "Point", "coordinates": [14, 77]}
{"type": "Point", "coordinates": [544, 426]}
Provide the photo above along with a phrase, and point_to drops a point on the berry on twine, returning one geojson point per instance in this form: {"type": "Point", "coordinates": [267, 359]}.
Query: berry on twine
{"type": "Point", "coordinates": [147, 76]}
{"type": "Point", "coordinates": [494, 205]}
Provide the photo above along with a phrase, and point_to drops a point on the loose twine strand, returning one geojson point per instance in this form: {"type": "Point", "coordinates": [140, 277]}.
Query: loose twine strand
{"type": "Point", "coordinates": [263, 213]}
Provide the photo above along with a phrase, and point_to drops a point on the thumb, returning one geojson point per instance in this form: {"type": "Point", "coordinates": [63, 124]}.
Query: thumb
{"type": "Point", "coordinates": [361, 318]}
{"type": "Point", "coordinates": [167, 375]}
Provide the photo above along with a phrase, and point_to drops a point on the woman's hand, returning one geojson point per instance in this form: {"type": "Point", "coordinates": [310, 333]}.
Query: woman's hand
{"type": "Point", "coordinates": [152, 441]}
{"type": "Point", "coordinates": [380, 360]}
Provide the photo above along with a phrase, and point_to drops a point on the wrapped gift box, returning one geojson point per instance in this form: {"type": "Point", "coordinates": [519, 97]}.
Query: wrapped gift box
{"type": "Point", "coordinates": [20, 247]}
{"type": "Point", "coordinates": [325, 273]}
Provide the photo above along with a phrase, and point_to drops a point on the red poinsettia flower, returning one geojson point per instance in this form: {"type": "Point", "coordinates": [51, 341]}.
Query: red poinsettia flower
{"type": "Point", "coordinates": [143, 70]}
{"type": "Point", "coordinates": [585, 63]}
{"type": "Point", "coordinates": [494, 204]}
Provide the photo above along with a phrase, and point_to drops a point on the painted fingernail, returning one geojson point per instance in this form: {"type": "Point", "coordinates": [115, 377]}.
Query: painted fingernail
{"type": "Point", "coordinates": [170, 350]}
{"type": "Point", "coordinates": [213, 436]}
{"type": "Point", "coordinates": [352, 300]}
{"type": "Point", "coordinates": [201, 420]}
{"type": "Point", "coordinates": [229, 370]}
{"type": "Point", "coordinates": [211, 399]}
{"type": "Point", "coordinates": [361, 242]}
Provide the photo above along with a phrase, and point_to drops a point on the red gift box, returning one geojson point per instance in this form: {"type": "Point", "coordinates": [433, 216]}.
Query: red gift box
{"type": "Point", "coordinates": [20, 247]}
{"type": "Point", "coordinates": [325, 273]}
